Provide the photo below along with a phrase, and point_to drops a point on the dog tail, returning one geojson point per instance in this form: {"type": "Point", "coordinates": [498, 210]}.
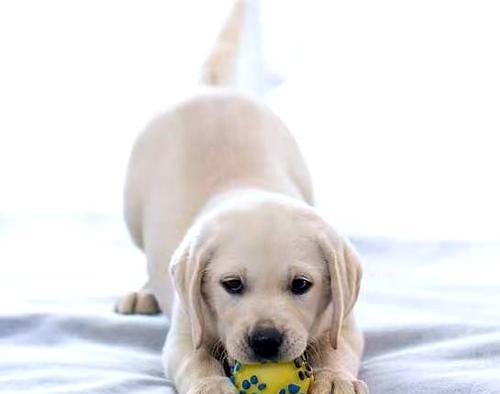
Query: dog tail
{"type": "Point", "coordinates": [220, 67]}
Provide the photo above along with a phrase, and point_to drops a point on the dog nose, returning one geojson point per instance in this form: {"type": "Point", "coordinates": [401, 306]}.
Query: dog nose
{"type": "Point", "coordinates": [265, 342]}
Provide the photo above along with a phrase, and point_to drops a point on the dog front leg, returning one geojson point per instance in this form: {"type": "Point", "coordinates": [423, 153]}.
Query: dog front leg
{"type": "Point", "coordinates": [193, 371]}
{"type": "Point", "coordinates": [336, 370]}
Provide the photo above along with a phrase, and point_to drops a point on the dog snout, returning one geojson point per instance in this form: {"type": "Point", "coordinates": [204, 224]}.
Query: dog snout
{"type": "Point", "coordinates": [265, 342]}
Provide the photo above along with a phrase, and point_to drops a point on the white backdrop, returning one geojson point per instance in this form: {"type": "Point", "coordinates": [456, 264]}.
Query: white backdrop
{"type": "Point", "coordinates": [395, 104]}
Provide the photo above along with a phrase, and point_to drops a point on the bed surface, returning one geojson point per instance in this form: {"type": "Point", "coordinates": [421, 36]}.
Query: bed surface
{"type": "Point", "coordinates": [430, 312]}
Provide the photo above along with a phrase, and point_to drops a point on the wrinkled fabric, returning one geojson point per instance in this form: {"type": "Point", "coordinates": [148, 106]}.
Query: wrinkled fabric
{"type": "Point", "coordinates": [430, 312]}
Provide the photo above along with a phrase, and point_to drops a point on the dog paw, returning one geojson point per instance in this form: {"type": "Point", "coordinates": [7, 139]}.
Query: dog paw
{"type": "Point", "coordinates": [215, 385]}
{"type": "Point", "coordinates": [137, 303]}
{"type": "Point", "coordinates": [339, 386]}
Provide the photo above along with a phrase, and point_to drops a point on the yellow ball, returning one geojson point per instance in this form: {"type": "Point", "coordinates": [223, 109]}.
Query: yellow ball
{"type": "Point", "coordinates": [272, 378]}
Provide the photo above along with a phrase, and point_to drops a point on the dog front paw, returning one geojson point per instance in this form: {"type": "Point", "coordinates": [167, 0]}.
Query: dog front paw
{"type": "Point", "coordinates": [213, 385]}
{"type": "Point", "coordinates": [329, 385]}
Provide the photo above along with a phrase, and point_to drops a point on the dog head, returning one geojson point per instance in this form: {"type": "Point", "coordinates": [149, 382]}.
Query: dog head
{"type": "Point", "coordinates": [265, 277]}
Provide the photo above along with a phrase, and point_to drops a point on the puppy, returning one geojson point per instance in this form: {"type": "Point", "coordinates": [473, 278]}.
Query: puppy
{"type": "Point", "coordinates": [219, 199]}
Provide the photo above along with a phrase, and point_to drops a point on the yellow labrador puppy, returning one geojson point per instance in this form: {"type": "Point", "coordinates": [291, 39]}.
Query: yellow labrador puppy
{"type": "Point", "coordinates": [218, 195]}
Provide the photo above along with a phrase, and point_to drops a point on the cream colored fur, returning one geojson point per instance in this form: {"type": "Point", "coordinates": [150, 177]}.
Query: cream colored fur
{"type": "Point", "coordinates": [217, 187]}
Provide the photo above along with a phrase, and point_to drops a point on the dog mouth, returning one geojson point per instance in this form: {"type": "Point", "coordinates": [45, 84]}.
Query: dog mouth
{"type": "Point", "coordinates": [264, 352]}
{"type": "Point", "coordinates": [264, 343]}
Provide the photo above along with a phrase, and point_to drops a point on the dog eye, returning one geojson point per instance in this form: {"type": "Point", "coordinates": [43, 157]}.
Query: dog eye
{"type": "Point", "coordinates": [300, 286]}
{"type": "Point", "coordinates": [233, 286]}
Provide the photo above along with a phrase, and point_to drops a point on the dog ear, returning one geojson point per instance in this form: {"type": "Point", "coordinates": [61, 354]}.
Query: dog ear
{"type": "Point", "coordinates": [187, 266]}
{"type": "Point", "coordinates": [344, 267]}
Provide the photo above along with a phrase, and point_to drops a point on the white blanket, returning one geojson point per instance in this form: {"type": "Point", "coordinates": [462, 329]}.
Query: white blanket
{"type": "Point", "coordinates": [429, 311]}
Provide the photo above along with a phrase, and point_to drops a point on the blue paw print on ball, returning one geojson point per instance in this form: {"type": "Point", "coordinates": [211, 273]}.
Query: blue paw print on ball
{"type": "Point", "coordinates": [293, 388]}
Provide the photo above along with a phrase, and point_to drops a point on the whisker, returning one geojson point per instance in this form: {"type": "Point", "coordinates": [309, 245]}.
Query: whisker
{"type": "Point", "coordinates": [312, 353]}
